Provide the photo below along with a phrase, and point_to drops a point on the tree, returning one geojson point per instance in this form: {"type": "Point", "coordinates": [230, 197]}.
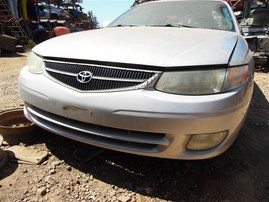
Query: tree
{"type": "Point", "coordinates": [93, 22]}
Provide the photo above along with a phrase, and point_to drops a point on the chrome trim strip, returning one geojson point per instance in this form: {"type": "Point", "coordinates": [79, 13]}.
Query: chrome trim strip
{"type": "Point", "coordinates": [104, 66]}
{"type": "Point", "coordinates": [95, 77]}
{"type": "Point", "coordinates": [60, 72]}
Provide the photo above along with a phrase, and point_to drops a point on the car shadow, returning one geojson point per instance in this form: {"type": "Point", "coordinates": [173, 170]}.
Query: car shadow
{"type": "Point", "coordinates": [12, 163]}
{"type": "Point", "coordinates": [239, 174]}
{"type": "Point", "coordinates": [9, 167]}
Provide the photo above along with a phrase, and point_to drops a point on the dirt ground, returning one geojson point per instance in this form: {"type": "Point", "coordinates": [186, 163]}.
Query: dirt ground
{"type": "Point", "coordinates": [240, 174]}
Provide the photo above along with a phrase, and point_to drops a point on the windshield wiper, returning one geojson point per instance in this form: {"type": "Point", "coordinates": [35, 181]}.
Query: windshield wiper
{"type": "Point", "coordinates": [121, 25]}
{"type": "Point", "coordinates": [173, 25]}
{"type": "Point", "coordinates": [165, 25]}
{"type": "Point", "coordinates": [178, 25]}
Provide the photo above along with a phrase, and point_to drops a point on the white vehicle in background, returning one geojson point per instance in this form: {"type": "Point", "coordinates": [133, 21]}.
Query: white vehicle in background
{"type": "Point", "coordinates": [169, 78]}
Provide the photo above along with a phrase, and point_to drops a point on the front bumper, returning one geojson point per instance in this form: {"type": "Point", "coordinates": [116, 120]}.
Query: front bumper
{"type": "Point", "coordinates": [144, 122]}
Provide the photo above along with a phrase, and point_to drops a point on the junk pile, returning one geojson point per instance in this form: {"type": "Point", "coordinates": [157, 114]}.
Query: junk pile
{"type": "Point", "coordinates": [29, 22]}
{"type": "Point", "coordinates": [11, 30]}
{"type": "Point", "coordinates": [15, 132]}
{"type": "Point", "coordinates": [255, 28]}
{"type": "Point", "coordinates": [253, 16]}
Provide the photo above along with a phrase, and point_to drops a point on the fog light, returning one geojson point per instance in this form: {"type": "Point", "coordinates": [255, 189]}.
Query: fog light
{"type": "Point", "coordinates": [205, 141]}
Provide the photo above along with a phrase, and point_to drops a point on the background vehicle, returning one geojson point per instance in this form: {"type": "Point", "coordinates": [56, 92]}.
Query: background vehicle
{"type": "Point", "coordinates": [52, 12]}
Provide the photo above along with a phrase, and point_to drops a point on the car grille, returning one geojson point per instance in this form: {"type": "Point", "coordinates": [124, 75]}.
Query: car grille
{"type": "Point", "coordinates": [102, 78]}
{"type": "Point", "coordinates": [107, 137]}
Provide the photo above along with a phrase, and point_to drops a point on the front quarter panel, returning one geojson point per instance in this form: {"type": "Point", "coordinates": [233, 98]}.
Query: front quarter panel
{"type": "Point", "coordinates": [241, 54]}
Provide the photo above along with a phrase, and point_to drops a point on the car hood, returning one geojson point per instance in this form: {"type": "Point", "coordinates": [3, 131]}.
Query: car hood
{"type": "Point", "coordinates": [155, 46]}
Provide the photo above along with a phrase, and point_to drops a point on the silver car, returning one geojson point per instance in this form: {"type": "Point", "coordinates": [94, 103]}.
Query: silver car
{"type": "Point", "coordinates": [169, 78]}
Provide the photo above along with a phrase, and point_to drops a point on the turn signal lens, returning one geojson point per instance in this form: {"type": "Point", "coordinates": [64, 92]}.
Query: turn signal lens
{"type": "Point", "coordinates": [235, 77]}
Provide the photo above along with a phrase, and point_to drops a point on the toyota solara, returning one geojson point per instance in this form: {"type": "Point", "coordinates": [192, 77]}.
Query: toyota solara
{"type": "Point", "coordinates": [169, 78]}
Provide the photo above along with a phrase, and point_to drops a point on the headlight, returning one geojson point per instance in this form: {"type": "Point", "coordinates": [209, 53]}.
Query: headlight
{"type": "Point", "coordinates": [34, 63]}
{"type": "Point", "coordinates": [192, 82]}
{"type": "Point", "coordinates": [202, 82]}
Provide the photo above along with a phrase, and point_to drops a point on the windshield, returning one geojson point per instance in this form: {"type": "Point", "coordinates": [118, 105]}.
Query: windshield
{"type": "Point", "coordinates": [208, 15]}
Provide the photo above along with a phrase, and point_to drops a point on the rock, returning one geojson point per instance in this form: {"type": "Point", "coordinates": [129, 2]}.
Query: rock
{"type": "Point", "coordinates": [48, 186]}
{"type": "Point", "coordinates": [52, 172]}
{"type": "Point", "coordinates": [41, 191]}
{"type": "Point", "coordinates": [22, 144]}
{"type": "Point", "coordinates": [45, 162]}
{"type": "Point", "coordinates": [112, 193]}
{"type": "Point", "coordinates": [24, 171]}
{"type": "Point", "coordinates": [48, 179]}
{"type": "Point", "coordinates": [25, 192]}
{"type": "Point", "coordinates": [69, 168]}
{"type": "Point", "coordinates": [124, 199]}
{"type": "Point", "coordinates": [91, 177]}
{"type": "Point", "coordinates": [56, 163]}
{"type": "Point", "coordinates": [27, 154]}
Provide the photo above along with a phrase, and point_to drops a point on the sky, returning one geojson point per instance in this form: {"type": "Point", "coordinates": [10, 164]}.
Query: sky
{"type": "Point", "coordinates": [106, 10]}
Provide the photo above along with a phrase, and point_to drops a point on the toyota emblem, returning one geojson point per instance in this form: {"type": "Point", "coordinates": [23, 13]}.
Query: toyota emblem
{"type": "Point", "coordinates": [84, 77]}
